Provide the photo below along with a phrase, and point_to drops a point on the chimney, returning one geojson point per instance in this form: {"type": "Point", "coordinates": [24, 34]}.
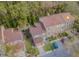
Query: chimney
{"type": "Point", "coordinates": [12, 29]}
{"type": "Point", "coordinates": [2, 33]}
{"type": "Point", "coordinates": [48, 14]}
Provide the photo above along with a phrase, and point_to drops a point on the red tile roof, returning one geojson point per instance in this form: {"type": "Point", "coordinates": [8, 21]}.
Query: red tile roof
{"type": "Point", "coordinates": [36, 30]}
{"type": "Point", "coordinates": [12, 36]}
{"type": "Point", "coordinates": [0, 34]}
{"type": "Point", "coordinates": [55, 19]}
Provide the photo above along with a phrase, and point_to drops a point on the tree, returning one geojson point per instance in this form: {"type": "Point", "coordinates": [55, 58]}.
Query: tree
{"type": "Point", "coordinates": [72, 7]}
{"type": "Point", "coordinates": [76, 25]}
{"type": "Point", "coordinates": [21, 14]}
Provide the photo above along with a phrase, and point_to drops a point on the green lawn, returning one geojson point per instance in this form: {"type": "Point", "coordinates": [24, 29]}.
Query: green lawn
{"type": "Point", "coordinates": [30, 49]}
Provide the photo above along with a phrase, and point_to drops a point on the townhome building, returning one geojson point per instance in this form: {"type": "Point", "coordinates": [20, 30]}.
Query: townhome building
{"type": "Point", "coordinates": [38, 33]}
{"type": "Point", "coordinates": [12, 37]}
{"type": "Point", "coordinates": [57, 23]}
{"type": "Point", "coordinates": [50, 25]}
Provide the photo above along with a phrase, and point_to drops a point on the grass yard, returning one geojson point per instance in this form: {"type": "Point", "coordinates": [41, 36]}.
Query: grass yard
{"type": "Point", "coordinates": [30, 50]}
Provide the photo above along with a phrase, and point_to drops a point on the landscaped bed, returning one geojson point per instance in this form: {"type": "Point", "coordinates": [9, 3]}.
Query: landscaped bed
{"type": "Point", "coordinates": [51, 38]}
{"type": "Point", "coordinates": [9, 50]}
{"type": "Point", "coordinates": [48, 47]}
{"type": "Point", "coordinates": [62, 34]}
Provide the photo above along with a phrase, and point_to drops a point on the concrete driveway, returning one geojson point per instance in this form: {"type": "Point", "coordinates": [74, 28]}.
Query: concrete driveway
{"type": "Point", "coordinates": [41, 51]}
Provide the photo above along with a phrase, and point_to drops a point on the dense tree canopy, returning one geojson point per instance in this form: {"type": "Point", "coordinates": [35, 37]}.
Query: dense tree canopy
{"type": "Point", "coordinates": [22, 14]}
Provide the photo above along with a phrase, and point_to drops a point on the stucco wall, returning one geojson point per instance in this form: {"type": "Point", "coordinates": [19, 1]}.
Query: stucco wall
{"type": "Point", "coordinates": [51, 30]}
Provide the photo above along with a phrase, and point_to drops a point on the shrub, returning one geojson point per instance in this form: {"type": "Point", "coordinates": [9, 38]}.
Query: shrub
{"type": "Point", "coordinates": [48, 47]}
{"type": "Point", "coordinates": [51, 38]}
{"type": "Point", "coordinates": [63, 34]}
{"type": "Point", "coordinates": [9, 50]}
